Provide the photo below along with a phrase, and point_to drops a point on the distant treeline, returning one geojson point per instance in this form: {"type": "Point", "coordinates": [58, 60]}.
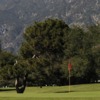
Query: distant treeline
{"type": "Point", "coordinates": [44, 55]}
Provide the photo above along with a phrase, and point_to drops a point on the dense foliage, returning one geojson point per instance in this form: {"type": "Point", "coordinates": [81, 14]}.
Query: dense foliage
{"type": "Point", "coordinates": [6, 68]}
{"type": "Point", "coordinates": [46, 50]}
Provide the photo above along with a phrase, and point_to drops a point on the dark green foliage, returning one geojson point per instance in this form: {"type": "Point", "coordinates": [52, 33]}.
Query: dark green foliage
{"type": "Point", "coordinates": [78, 48]}
{"type": "Point", "coordinates": [46, 50]}
{"type": "Point", "coordinates": [0, 46]}
{"type": "Point", "coordinates": [6, 68]}
{"type": "Point", "coordinates": [95, 31]}
{"type": "Point", "coordinates": [78, 42]}
{"type": "Point", "coordinates": [44, 40]}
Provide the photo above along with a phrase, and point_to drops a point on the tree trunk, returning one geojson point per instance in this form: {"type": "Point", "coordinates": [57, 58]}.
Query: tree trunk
{"type": "Point", "coordinates": [20, 85]}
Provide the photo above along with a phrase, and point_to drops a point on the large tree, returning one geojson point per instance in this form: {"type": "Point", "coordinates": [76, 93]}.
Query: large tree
{"type": "Point", "coordinates": [43, 47]}
{"type": "Point", "coordinates": [20, 69]}
{"type": "Point", "coordinates": [13, 70]}
{"type": "Point", "coordinates": [95, 31]}
{"type": "Point", "coordinates": [78, 49]}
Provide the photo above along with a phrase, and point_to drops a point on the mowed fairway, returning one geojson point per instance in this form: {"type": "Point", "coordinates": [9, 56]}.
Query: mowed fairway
{"type": "Point", "coordinates": [78, 92]}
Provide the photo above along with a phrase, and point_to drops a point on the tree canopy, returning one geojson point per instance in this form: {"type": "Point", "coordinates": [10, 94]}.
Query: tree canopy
{"type": "Point", "coordinates": [46, 49]}
{"type": "Point", "coordinates": [44, 43]}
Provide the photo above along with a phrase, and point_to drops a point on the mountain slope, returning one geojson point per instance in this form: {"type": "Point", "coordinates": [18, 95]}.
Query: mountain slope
{"type": "Point", "coordinates": [15, 15]}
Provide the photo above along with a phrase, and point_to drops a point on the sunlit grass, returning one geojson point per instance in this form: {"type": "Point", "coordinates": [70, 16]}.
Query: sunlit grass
{"type": "Point", "coordinates": [78, 92]}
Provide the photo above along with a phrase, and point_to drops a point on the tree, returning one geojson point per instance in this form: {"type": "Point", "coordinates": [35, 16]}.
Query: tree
{"type": "Point", "coordinates": [6, 65]}
{"type": "Point", "coordinates": [43, 47]}
{"type": "Point", "coordinates": [9, 70]}
{"type": "Point", "coordinates": [20, 72]}
{"type": "Point", "coordinates": [96, 55]}
{"type": "Point", "coordinates": [78, 49]}
{"type": "Point", "coordinates": [95, 32]}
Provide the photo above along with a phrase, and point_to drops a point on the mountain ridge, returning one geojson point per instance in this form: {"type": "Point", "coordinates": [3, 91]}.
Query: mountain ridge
{"type": "Point", "coordinates": [15, 15]}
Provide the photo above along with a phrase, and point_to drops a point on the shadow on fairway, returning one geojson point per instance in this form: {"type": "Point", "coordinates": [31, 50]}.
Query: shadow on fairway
{"type": "Point", "coordinates": [1, 90]}
{"type": "Point", "coordinates": [64, 91]}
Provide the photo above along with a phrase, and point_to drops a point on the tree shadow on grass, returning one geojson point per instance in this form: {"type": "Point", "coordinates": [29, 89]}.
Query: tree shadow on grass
{"type": "Point", "coordinates": [64, 91]}
{"type": "Point", "coordinates": [2, 90]}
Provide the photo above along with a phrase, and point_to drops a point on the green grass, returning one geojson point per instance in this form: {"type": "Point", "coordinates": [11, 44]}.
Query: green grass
{"type": "Point", "coordinates": [78, 92]}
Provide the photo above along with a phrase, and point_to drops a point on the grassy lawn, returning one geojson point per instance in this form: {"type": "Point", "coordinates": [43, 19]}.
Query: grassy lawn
{"type": "Point", "coordinates": [78, 92]}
